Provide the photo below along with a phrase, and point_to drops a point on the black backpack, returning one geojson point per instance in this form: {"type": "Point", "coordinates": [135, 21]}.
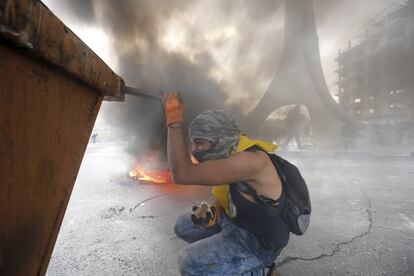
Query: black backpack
{"type": "Point", "coordinates": [297, 210]}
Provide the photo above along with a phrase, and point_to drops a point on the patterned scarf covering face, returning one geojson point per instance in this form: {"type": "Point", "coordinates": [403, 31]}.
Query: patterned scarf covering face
{"type": "Point", "coordinates": [220, 129]}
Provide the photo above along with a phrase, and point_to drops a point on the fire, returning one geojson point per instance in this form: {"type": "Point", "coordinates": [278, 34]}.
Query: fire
{"type": "Point", "coordinates": [154, 176]}
{"type": "Point", "coordinates": [149, 169]}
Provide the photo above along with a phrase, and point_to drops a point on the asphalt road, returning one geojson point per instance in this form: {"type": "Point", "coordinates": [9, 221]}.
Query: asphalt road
{"type": "Point", "coordinates": [362, 221]}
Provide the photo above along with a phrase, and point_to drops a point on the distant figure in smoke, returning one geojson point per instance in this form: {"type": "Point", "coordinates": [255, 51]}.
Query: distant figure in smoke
{"type": "Point", "coordinates": [239, 234]}
{"type": "Point", "coordinates": [293, 127]}
{"type": "Point", "coordinates": [94, 137]}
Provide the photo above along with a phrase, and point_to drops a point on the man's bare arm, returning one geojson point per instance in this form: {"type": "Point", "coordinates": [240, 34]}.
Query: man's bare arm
{"type": "Point", "coordinates": [178, 157]}
{"type": "Point", "coordinates": [243, 166]}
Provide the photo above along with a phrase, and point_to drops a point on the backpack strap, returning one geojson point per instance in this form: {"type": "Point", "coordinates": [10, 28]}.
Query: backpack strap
{"type": "Point", "coordinates": [259, 199]}
{"type": "Point", "coordinates": [248, 189]}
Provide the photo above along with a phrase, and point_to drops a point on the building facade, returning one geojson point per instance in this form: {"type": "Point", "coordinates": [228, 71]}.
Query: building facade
{"type": "Point", "coordinates": [376, 75]}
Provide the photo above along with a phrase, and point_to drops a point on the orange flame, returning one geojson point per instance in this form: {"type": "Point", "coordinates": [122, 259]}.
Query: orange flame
{"type": "Point", "coordinates": [154, 176]}
{"type": "Point", "coordinates": [149, 170]}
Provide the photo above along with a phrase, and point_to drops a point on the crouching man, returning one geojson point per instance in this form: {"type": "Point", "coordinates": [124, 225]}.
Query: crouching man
{"type": "Point", "coordinates": [242, 233]}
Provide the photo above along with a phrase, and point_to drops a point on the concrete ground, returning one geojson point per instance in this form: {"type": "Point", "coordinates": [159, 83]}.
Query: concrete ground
{"type": "Point", "coordinates": [362, 222]}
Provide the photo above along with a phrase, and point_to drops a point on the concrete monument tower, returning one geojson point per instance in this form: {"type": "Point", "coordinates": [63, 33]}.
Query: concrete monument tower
{"type": "Point", "coordinates": [299, 78]}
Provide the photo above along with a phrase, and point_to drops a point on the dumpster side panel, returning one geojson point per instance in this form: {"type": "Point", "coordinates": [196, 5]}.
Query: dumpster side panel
{"type": "Point", "coordinates": [46, 118]}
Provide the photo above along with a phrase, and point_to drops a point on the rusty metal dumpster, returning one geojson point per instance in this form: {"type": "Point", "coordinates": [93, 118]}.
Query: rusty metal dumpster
{"type": "Point", "coordinates": [51, 89]}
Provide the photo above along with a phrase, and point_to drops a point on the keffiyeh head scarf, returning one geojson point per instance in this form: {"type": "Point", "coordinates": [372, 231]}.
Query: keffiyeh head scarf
{"type": "Point", "coordinates": [220, 129]}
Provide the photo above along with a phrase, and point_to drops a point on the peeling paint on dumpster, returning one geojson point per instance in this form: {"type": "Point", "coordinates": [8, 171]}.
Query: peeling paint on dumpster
{"type": "Point", "coordinates": [51, 88]}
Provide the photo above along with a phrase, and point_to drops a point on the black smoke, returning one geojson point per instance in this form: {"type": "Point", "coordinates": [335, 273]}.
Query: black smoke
{"type": "Point", "coordinates": [137, 28]}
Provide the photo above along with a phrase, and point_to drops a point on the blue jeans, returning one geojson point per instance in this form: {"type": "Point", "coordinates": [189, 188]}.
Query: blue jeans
{"type": "Point", "coordinates": [223, 249]}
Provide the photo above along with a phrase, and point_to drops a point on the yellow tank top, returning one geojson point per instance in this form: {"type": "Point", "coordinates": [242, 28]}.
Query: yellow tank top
{"type": "Point", "coordinates": [221, 192]}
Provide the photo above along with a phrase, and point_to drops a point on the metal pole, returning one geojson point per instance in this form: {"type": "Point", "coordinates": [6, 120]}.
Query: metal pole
{"type": "Point", "coordinates": [148, 94]}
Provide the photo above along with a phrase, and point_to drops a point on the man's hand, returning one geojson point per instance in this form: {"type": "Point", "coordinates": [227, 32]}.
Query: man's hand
{"type": "Point", "coordinates": [204, 215]}
{"type": "Point", "coordinates": [173, 108]}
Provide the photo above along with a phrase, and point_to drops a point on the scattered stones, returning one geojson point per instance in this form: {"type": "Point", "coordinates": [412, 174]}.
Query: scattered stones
{"type": "Point", "coordinates": [112, 212]}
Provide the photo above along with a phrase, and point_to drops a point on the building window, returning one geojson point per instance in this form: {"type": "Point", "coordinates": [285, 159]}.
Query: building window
{"type": "Point", "coordinates": [357, 100]}
{"type": "Point", "coordinates": [371, 97]}
{"type": "Point", "coordinates": [392, 92]}
{"type": "Point", "coordinates": [371, 110]}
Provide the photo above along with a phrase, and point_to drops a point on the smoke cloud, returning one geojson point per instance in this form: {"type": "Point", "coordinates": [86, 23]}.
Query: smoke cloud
{"type": "Point", "coordinates": [219, 54]}
{"type": "Point", "coordinates": [208, 50]}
